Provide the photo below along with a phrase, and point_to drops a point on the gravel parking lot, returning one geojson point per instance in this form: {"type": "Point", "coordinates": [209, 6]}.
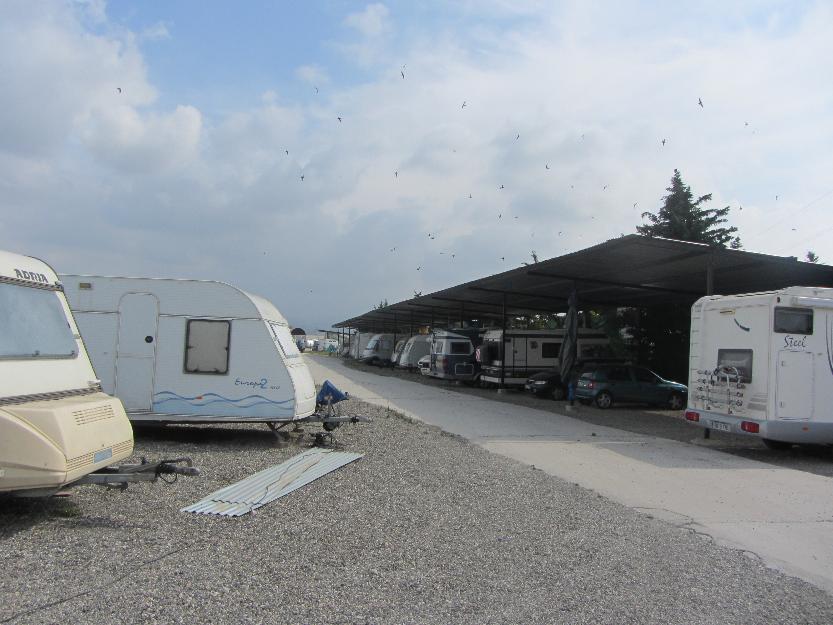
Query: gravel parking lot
{"type": "Point", "coordinates": [426, 528]}
{"type": "Point", "coordinates": [638, 419]}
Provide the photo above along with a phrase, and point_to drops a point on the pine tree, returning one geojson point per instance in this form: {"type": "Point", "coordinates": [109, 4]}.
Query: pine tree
{"type": "Point", "coordinates": [684, 218]}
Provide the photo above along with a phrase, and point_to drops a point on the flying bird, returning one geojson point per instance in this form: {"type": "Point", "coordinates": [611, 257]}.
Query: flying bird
{"type": "Point", "coordinates": [604, 188]}
{"type": "Point", "coordinates": [118, 89]}
{"type": "Point", "coordinates": [499, 215]}
{"type": "Point", "coordinates": [634, 204]}
{"type": "Point", "coordinates": [700, 102]}
{"type": "Point", "coordinates": [453, 255]}
{"type": "Point", "coordinates": [420, 267]}
{"type": "Point", "coordinates": [518, 136]}
{"type": "Point", "coordinates": [316, 90]}
{"type": "Point", "coordinates": [547, 165]}
{"type": "Point", "coordinates": [501, 186]}
{"type": "Point", "coordinates": [464, 105]}
{"type": "Point", "coordinates": [776, 198]}
{"type": "Point", "coordinates": [396, 174]}
{"type": "Point", "coordinates": [503, 258]}
{"type": "Point", "coordinates": [663, 142]}
{"type": "Point", "coordinates": [287, 152]}
{"type": "Point", "coordinates": [469, 195]}
{"type": "Point", "coordinates": [302, 177]}
{"type": "Point", "coordinates": [339, 120]}
{"type": "Point", "coordinates": [745, 123]}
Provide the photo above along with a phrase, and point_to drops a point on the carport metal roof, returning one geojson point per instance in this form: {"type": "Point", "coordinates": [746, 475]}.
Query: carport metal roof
{"type": "Point", "coordinates": [632, 270]}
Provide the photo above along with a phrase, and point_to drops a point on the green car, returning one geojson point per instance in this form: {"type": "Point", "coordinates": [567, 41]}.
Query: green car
{"type": "Point", "coordinates": [626, 383]}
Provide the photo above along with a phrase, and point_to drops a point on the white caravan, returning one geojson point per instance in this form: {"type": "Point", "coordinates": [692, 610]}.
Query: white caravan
{"type": "Point", "coordinates": [56, 425]}
{"type": "Point", "coordinates": [532, 351]}
{"type": "Point", "coordinates": [358, 342]}
{"type": "Point", "coordinates": [417, 346]}
{"type": "Point", "coordinates": [191, 350]}
{"type": "Point", "coordinates": [397, 352]}
{"type": "Point", "coordinates": [762, 364]}
{"type": "Point", "coordinates": [378, 350]}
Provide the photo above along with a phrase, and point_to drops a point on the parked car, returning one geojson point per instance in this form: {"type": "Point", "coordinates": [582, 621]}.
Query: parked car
{"type": "Point", "coordinates": [424, 364]}
{"type": "Point", "coordinates": [548, 383]}
{"type": "Point", "coordinates": [605, 384]}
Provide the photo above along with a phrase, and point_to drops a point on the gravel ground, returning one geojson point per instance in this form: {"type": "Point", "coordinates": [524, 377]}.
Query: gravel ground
{"type": "Point", "coordinates": [426, 528]}
{"type": "Point", "coordinates": [639, 419]}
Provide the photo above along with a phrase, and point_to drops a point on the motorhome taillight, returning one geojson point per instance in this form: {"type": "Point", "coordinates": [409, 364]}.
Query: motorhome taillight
{"type": "Point", "coordinates": [750, 426]}
{"type": "Point", "coordinates": [692, 416]}
{"type": "Point", "coordinates": [591, 384]}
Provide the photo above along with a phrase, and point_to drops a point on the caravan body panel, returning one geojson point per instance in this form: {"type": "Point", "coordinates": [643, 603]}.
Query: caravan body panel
{"type": "Point", "coordinates": [531, 351]}
{"type": "Point", "coordinates": [218, 353]}
{"type": "Point", "coordinates": [415, 348]}
{"type": "Point", "coordinates": [764, 361]}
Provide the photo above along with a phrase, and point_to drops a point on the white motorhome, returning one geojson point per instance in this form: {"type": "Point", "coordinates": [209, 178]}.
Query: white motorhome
{"type": "Point", "coordinates": [531, 351]}
{"type": "Point", "coordinates": [378, 350]}
{"type": "Point", "coordinates": [415, 348]}
{"type": "Point", "coordinates": [762, 364]}
{"type": "Point", "coordinates": [191, 350]}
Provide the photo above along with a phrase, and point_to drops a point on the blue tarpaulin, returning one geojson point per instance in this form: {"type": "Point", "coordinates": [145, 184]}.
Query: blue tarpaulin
{"type": "Point", "coordinates": [330, 393]}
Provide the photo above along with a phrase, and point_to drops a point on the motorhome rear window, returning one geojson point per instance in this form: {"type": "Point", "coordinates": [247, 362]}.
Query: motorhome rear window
{"type": "Point", "coordinates": [740, 359]}
{"type": "Point", "coordinates": [33, 324]}
{"type": "Point", "coordinates": [550, 350]}
{"type": "Point", "coordinates": [793, 320]}
{"type": "Point", "coordinates": [460, 347]}
{"type": "Point", "coordinates": [207, 346]}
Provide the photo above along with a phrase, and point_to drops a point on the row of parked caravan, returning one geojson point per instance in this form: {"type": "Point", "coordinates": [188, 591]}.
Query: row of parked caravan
{"type": "Point", "coordinates": [475, 354]}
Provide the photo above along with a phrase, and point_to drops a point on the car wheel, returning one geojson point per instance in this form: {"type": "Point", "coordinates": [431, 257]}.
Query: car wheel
{"type": "Point", "coordinates": [604, 399]}
{"type": "Point", "coordinates": [676, 402]}
{"type": "Point", "coordinates": [776, 445]}
{"type": "Point", "coordinates": [558, 393]}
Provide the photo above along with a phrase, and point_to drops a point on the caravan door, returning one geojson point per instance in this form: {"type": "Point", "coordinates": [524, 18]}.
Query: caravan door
{"type": "Point", "coordinates": [136, 350]}
{"type": "Point", "coordinates": [794, 385]}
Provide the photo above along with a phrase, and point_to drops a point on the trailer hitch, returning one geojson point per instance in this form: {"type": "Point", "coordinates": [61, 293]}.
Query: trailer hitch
{"type": "Point", "coordinates": [119, 476]}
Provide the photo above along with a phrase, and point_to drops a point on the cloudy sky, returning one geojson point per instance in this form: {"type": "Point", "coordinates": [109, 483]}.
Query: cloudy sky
{"type": "Point", "coordinates": [170, 138]}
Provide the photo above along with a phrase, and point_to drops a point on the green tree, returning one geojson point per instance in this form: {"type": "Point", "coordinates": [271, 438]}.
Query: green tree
{"type": "Point", "coordinates": [682, 217]}
{"type": "Point", "coordinates": [812, 257]}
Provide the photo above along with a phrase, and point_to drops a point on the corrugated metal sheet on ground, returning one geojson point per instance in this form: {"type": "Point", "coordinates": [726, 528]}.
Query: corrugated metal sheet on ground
{"type": "Point", "coordinates": [272, 483]}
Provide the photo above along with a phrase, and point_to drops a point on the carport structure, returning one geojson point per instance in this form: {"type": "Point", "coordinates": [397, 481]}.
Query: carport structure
{"type": "Point", "coordinates": [630, 271]}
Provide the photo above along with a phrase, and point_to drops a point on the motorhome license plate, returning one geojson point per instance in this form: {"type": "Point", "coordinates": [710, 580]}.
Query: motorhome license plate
{"type": "Point", "coordinates": [720, 425]}
{"type": "Point", "coordinates": [104, 454]}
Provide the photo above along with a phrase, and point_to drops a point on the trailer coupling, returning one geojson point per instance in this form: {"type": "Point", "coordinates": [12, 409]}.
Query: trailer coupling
{"type": "Point", "coordinates": [119, 476]}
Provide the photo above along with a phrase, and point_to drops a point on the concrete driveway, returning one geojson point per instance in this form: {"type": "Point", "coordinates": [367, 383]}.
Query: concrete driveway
{"type": "Point", "coordinates": [783, 516]}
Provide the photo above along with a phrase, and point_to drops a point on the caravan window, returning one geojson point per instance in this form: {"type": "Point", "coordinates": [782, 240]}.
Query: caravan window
{"type": "Point", "coordinates": [460, 347]}
{"type": "Point", "coordinates": [550, 350]}
{"type": "Point", "coordinates": [34, 324]}
{"type": "Point", "coordinates": [741, 359]}
{"type": "Point", "coordinates": [207, 346]}
{"type": "Point", "coordinates": [793, 320]}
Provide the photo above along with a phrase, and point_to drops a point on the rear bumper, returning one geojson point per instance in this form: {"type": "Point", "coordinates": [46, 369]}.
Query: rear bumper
{"type": "Point", "coordinates": [800, 432]}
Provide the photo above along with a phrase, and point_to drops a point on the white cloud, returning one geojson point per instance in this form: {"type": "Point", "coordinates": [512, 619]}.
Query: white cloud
{"type": "Point", "coordinates": [591, 104]}
{"type": "Point", "coordinates": [371, 22]}
{"type": "Point", "coordinates": [313, 75]}
{"type": "Point", "coordinates": [156, 32]}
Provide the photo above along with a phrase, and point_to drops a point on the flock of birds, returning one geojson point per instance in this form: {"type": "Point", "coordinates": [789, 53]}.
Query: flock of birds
{"type": "Point", "coordinates": [432, 236]}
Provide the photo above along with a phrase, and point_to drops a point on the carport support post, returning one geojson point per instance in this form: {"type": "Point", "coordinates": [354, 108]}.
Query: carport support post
{"type": "Point", "coordinates": [394, 335]}
{"type": "Point", "coordinates": [502, 388]}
